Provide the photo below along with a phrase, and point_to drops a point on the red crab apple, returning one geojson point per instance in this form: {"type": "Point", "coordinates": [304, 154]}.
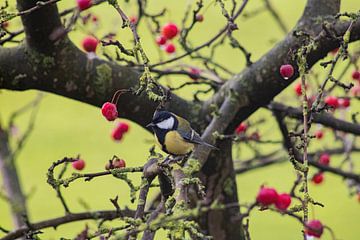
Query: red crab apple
{"type": "Point", "coordinates": [78, 164]}
{"type": "Point", "coordinates": [344, 102]}
{"type": "Point", "coordinates": [286, 71]}
{"type": "Point", "coordinates": [319, 134]}
{"type": "Point", "coordinates": [318, 178]}
{"type": "Point", "coordinates": [241, 128]}
{"type": "Point", "coordinates": [356, 75]}
{"type": "Point", "coordinates": [199, 17]}
{"type": "Point", "coordinates": [83, 4]}
{"type": "Point", "coordinates": [324, 159]}
{"type": "Point", "coordinates": [160, 40]}
{"type": "Point", "coordinates": [89, 44]}
{"type": "Point", "coordinates": [195, 73]}
{"type": "Point", "coordinates": [170, 48]}
{"type": "Point", "coordinates": [169, 30]}
{"type": "Point", "coordinates": [314, 228]}
{"type": "Point", "coordinates": [283, 201]}
{"type": "Point", "coordinates": [266, 196]}
{"type": "Point", "coordinates": [297, 88]}
{"type": "Point", "coordinates": [332, 101]}
{"type": "Point", "coordinates": [109, 111]}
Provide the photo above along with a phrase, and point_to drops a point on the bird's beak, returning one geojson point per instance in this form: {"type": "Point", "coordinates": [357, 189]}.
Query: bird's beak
{"type": "Point", "coordinates": [150, 125]}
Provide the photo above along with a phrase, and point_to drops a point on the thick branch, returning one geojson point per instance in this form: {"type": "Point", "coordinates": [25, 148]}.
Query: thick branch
{"type": "Point", "coordinates": [36, 30]}
{"type": "Point", "coordinates": [69, 73]}
{"type": "Point", "coordinates": [324, 118]}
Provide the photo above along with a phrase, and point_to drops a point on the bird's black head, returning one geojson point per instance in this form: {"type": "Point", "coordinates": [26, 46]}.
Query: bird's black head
{"type": "Point", "coordinates": [164, 120]}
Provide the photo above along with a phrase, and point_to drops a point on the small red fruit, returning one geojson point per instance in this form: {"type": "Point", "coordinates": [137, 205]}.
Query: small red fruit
{"type": "Point", "coordinates": [117, 134]}
{"type": "Point", "coordinates": [119, 163]}
{"type": "Point", "coordinates": [241, 128]}
{"type": "Point", "coordinates": [160, 40]}
{"type": "Point", "coordinates": [83, 4]}
{"type": "Point", "coordinates": [314, 228]}
{"type": "Point", "coordinates": [356, 75]}
{"type": "Point", "coordinates": [318, 178]}
{"type": "Point", "coordinates": [89, 44]}
{"type": "Point", "coordinates": [287, 71]}
{"type": "Point", "coordinates": [169, 30]}
{"type": "Point", "coordinates": [170, 48]}
{"type": "Point", "coordinates": [123, 126]}
{"type": "Point", "coordinates": [355, 91]}
{"type": "Point", "coordinates": [283, 201]}
{"type": "Point", "coordinates": [344, 102]}
{"type": "Point", "coordinates": [195, 73]}
{"type": "Point", "coordinates": [115, 163]}
{"type": "Point", "coordinates": [94, 19]}
{"type": "Point", "coordinates": [133, 19]}
{"type": "Point", "coordinates": [266, 196]}
{"type": "Point", "coordinates": [324, 159]}
{"type": "Point", "coordinates": [332, 101]}
{"type": "Point", "coordinates": [119, 131]}
{"type": "Point", "coordinates": [199, 17]}
{"type": "Point", "coordinates": [319, 134]}
{"type": "Point", "coordinates": [78, 164]}
{"type": "Point", "coordinates": [297, 89]}
{"type": "Point", "coordinates": [109, 111]}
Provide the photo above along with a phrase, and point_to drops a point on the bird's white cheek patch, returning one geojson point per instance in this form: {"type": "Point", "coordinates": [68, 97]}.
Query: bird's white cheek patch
{"type": "Point", "coordinates": [166, 124]}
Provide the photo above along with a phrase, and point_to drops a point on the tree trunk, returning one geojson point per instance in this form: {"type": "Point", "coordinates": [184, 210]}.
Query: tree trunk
{"type": "Point", "coordinates": [219, 178]}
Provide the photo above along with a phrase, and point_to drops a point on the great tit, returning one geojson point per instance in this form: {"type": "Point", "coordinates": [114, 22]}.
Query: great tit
{"type": "Point", "coordinates": [174, 134]}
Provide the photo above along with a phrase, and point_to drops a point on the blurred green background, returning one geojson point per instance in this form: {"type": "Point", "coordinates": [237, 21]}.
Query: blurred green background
{"type": "Point", "coordinates": [66, 128]}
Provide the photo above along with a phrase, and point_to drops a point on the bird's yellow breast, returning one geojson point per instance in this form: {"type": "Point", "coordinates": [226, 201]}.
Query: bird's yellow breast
{"type": "Point", "coordinates": [175, 144]}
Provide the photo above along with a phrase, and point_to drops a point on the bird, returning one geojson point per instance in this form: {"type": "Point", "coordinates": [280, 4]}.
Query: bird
{"type": "Point", "coordinates": [174, 135]}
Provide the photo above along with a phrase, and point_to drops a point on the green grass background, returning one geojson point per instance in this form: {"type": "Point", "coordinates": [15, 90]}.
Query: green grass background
{"type": "Point", "coordinates": [66, 128]}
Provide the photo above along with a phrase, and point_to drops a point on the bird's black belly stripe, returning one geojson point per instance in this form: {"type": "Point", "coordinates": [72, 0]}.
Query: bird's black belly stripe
{"type": "Point", "coordinates": [160, 134]}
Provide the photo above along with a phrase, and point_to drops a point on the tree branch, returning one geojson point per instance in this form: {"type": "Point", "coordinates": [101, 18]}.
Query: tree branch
{"type": "Point", "coordinates": [72, 217]}
{"type": "Point", "coordinates": [324, 118]}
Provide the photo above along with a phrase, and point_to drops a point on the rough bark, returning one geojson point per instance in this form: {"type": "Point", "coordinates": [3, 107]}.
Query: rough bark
{"type": "Point", "coordinates": [219, 178]}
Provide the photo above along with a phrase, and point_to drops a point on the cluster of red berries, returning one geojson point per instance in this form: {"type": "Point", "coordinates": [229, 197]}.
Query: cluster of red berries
{"type": "Point", "coordinates": [318, 178]}
{"type": "Point", "coordinates": [109, 111]}
{"type": "Point", "coordinates": [115, 163]}
{"type": "Point", "coordinates": [78, 164]}
{"type": "Point", "coordinates": [331, 101]}
{"type": "Point", "coordinates": [119, 131]}
{"type": "Point", "coordinates": [168, 32]}
{"type": "Point", "coordinates": [268, 196]}
{"type": "Point", "coordinates": [335, 102]}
